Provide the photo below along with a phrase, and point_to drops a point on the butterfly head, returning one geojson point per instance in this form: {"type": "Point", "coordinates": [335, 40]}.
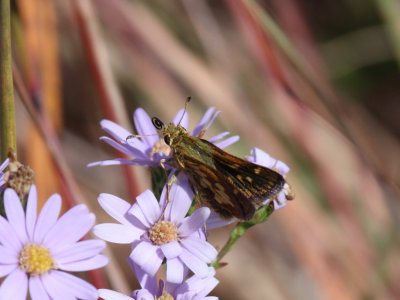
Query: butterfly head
{"type": "Point", "coordinates": [171, 132]}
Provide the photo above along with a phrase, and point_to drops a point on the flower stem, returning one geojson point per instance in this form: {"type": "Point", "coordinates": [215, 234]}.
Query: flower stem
{"type": "Point", "coordinates": [240, 229]}
{"type": "Point", "coordinates": [158, 180]}
{"type": "Point", "coordinates": [7, 110]}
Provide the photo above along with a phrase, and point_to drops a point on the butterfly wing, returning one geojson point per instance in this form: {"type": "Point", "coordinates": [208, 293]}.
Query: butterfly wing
{"type": "Point", "coordinates": [230, 185]}
{"type": "Point", "coordinates": [256, 182]}
{"type": "Point", "coordinates": [216, 191]}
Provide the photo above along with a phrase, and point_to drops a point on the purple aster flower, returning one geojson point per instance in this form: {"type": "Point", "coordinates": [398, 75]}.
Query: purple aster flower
{"type": "Point", "coordinates": [35, 251]}
{"type": "Point", "coordinates": [262, 158]}
{"type": "Point", "coordinates": [194, 288]}
{"type": "Point", "coordinates": [216, 221]}
{"type": "Point", "coordinates": [3, 166]}
{"type": "Point", "coordinates": [150, 148]}
{"type": "Point", "coordinates": [160, 230]}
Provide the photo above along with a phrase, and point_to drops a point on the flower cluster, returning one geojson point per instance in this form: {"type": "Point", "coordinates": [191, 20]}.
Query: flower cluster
{"type": "Point", "coordinates": [167, 230]}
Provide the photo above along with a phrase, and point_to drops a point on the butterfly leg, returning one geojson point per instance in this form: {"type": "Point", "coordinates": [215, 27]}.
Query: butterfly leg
{"type": "Point", "coordinates": [171, 179]}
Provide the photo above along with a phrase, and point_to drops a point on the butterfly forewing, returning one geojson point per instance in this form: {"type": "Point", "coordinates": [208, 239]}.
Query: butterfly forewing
{"type": "Point", "coordinates": [230, 185]}
{"type": "Point", "coordinates": [256, 182]}
{"type": "Point", "coordinates": [217, 191]}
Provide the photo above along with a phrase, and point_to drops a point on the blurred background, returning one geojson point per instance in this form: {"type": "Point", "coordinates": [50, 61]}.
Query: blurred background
{"type": "Point", "coordinates": [314, 83]}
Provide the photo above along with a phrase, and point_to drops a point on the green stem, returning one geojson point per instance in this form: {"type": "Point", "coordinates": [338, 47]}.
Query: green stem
{"type": "Point", "coordinates": [240, 229]}
{"type": "Point", "coordinates": [7, 110]}
{"type": "Point", "coordinates": [158, 180]}
{"type": "Point", "coordinates": [234, 236]}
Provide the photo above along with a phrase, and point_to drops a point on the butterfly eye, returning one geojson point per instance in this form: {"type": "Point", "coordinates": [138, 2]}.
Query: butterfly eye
{"type": "Point", "coordinates": [157, 123]}
{"type": "Point", "coordinates": [167, 140]}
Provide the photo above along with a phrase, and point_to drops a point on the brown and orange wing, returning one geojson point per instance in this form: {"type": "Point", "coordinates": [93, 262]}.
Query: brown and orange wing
{"type": "Point", "coordinates": [230, 185]}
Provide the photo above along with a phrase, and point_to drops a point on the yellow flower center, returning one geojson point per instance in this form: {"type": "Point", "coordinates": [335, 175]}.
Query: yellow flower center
{"type": "Point", "coordinates": [36, 260]}
{"type": "Point", "coordinates": [160, 147]}
{"type": "Point", "coordinates": [163, 232]}
{"type": "Point", "coordinates": [165, 296]}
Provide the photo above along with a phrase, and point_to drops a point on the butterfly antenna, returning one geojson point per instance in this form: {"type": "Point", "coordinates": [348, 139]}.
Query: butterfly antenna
{"type": "Point", "coordinates": [184, 110]}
